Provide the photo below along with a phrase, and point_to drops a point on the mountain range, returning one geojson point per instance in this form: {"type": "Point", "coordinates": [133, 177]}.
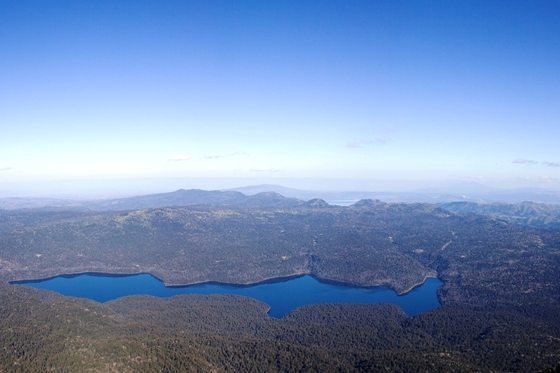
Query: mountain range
{"type": "Point", "coordinates": [276, 196]}
{"type": "Point", "coordinates": [466, 191]}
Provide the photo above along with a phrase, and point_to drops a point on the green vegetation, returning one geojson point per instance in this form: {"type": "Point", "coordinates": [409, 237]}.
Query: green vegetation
{"type": "Point", "coordinates": [184, 245]}
{"type": "Point", "coordinates": [552, 370]}
{"type": "Point", "coordinates": [41, 331]}
{"type": "Point", "coordinates": [539, 215]}
{"type": "Point", "coordinates": [500, 298]}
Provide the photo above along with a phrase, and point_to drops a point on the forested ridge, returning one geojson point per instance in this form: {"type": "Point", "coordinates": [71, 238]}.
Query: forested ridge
{"type": "Point", "coordinates": [539, 215]}
{"type": "Point", "coordinates": [500, 298]}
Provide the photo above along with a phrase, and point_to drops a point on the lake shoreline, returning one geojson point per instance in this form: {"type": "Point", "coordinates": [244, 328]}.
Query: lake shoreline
{"type": "Point", "coordinates": [233, 284]}
{"type": "Point", "coordinates": [282, 295]}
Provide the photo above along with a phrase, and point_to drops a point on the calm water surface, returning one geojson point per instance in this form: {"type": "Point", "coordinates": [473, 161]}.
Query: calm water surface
{"type": "Point", "coordinates": [282, 296]}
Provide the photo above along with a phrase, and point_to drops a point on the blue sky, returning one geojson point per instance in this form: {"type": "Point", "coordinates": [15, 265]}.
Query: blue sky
{"type": "Point", "coordinates": [410, 92]}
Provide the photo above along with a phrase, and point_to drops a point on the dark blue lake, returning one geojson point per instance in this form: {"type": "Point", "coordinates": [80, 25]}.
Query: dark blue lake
{"type": "Point", "coordinates": [282, 296]}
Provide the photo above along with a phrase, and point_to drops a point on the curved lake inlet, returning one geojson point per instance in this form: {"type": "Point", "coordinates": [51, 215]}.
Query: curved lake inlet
{"type": "Point", "coordinates": [282, 296]}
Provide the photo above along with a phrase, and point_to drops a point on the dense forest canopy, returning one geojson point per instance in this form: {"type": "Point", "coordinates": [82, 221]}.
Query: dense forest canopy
{"type": "Point", "coordinates": [500, 297]}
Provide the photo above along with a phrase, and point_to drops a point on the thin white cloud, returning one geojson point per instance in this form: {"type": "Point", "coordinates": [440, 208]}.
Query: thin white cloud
{"type": "Point", "coordinates": [361, 144]}
{"type": "Point", "coordinates": [524, 161]}
{"type": "Point", "coordinates": [263, 169]}
{"type": "Point", "coordinates": [179, 158]}
{"type": "Point", "coordinates": [552, 164]}
{"type": "Point", "coordinates": [5, 168]}
{"type": "Point", "coordinates": [213, 156]}
{"type": "Point", "coordinates": [241, 153]}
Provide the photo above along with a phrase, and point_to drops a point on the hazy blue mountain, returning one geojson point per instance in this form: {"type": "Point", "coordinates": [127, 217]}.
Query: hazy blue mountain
{"type": "Point", "coordinates": [463, 188]}
{"type": "Point", "coordinates": [331, 197]}
{"type": "Point", "coordinates": [479, 193]}
{"type": "Point", "coordinates": [270, 195]}
{"type": "Point", "coordinates": [13, 203]}
{"type": "Point", "coordinates": [255, 189]}
{"type": "Point", "coordinates": [466, 191]}
{"type": "Point", "coordinates": [183, 197]}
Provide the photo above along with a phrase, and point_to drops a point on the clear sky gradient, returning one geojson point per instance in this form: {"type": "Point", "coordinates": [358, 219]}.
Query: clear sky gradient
{"type": "Point", "coordinates": [385, 91]}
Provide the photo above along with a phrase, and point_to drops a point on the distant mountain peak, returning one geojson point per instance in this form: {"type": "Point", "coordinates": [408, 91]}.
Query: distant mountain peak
{"type": "Point", "coordinates": [269, 194]}
{"type": "Point", "coordinates": [367, 203]}
{"type": "Point", "coordinates": [317, 202]}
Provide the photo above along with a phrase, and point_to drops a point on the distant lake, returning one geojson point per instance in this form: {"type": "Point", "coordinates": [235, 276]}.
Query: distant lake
{"type": "Point", "coordinates": [282, 296]}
